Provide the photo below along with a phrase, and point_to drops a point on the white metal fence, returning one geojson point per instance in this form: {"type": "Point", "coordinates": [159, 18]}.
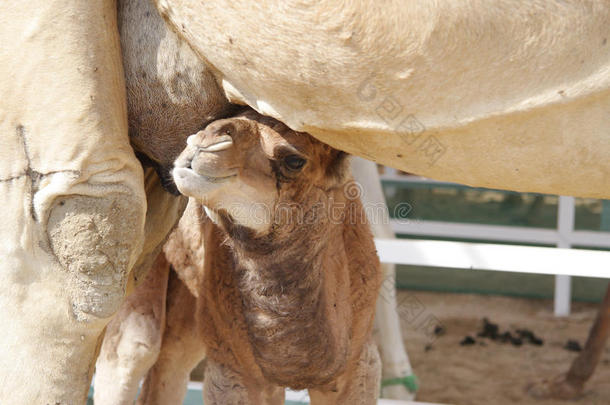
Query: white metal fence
{"type": "Point", "coordinates": [563, 262]}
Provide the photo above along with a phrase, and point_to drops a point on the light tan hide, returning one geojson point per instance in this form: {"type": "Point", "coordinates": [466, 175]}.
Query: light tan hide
{"type": "Point", "coordinates": [497, 93]}
{"type": "Point", "coordinates": [71, 192]}
{"type": "Point", "coordinates": [75, 238]}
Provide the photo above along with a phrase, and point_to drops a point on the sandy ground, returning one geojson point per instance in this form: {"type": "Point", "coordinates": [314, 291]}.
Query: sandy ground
{"type": "Point", "coordinates": [492, 373]}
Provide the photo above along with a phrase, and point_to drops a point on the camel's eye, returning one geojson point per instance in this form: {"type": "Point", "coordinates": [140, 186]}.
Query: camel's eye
{"type": "Point", "coordinates": [228, 129]}
{"type": "Point", "coordinates": [294, 162]}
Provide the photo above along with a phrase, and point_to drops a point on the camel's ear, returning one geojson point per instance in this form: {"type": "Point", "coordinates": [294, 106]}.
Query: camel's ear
{"type": "Point", "coordinates": [338, 169]}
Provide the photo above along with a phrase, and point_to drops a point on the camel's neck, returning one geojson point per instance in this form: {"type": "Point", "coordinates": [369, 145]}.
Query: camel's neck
{"type": "Point", "coordinates": [289, 300]}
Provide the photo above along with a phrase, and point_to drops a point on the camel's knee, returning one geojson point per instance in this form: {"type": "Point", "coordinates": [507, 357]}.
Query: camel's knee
{"type": "Point", "coordinates": [140, 341]}
{"type": "Point", "coordinates": [221, 385]}
{"type": "Point", "coordinates": [370, 362]}
{"type": "Point", "coordinates": [366, 382]}
{"type": "Point", "coordinates": [95, 239]}
{"type": "Point", "coordinates": [359, 385]}
{"type": "Point", "coordinates": [131, 345]}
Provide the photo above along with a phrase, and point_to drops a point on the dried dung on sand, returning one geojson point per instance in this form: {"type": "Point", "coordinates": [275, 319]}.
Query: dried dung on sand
{"type": "Point", "coordinates": [492, 331]}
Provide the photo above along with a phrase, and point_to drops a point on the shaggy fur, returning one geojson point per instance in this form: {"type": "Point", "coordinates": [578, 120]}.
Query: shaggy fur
{"type": "Point", "coordinates": [289, 304]}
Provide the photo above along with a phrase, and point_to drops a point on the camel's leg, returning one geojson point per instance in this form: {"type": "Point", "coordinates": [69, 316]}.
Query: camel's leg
{"type": "Point", "coordinates": [394, 359]}
{"type": "Point", "coordinates": [571, 384]}
{"type": "Point", "coordinates": [133, 340]}
{"type": "Point", "coordinates": [357, 386]}
{"type": "Point", "coordinates": [584, 365]}
{"type": "Point", "coordinates": [181, 349]}
{"type": "Point", "coordinates": [71, 192]}
{"type": "Point", "coordinates": [400, 381]}
{"type": "Point", "coordinates": [223, 386]}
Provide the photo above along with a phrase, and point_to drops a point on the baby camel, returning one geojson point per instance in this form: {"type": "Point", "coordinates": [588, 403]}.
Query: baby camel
{"type": "Point", "coordinates": [277, 273]}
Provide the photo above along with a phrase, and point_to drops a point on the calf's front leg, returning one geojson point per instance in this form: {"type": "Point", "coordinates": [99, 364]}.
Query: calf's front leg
{"type": "Point", "coordinates": [359, 385]}
{"type": "Point", "coordinates": [223, 386]}
{"type": "Point", "coordinates": [133, 340]}
{"type": "Point", "coordinates": [181, 349]}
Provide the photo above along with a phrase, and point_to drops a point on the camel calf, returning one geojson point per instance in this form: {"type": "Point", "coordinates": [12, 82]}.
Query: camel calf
{"type": "Point", "coordinates": [276, 276]}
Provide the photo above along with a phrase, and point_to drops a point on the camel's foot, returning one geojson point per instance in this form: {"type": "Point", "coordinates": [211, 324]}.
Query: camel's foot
{"type": "Point", "coordinates": [556, 388]}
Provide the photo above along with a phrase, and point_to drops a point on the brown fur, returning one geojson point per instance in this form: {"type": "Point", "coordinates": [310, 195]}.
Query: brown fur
{"type": "Point", "coordinates": [291, 306]}
{"type": "Point", "coordinates": [306, 296]}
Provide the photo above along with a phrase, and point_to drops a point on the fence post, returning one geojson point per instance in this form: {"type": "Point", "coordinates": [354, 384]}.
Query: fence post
{"type": "Point", "coordinates": [563, 284]}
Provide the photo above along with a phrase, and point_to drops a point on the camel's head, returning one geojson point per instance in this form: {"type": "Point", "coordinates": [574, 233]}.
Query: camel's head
{"type": "Point", "coordinates": [251, 169]}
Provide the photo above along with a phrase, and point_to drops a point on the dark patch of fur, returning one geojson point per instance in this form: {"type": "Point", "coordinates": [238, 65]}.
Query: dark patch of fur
{"type": "Point", "coordinates": [164, 173]}
{"type": "Point", "coordinates": [339, 166]}
{"type": "Point", "coordinates": [145, 161]}
{"type": "Point", "coordinates": [277, 172]}
{"type": "Point", "coordinates": [167, 180]}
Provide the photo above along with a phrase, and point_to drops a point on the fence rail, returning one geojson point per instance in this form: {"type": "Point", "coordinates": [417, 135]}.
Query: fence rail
{"type": "Point", "coordinates": [562, 261]}
{"type": "Point", "coordinates": [487, 256]}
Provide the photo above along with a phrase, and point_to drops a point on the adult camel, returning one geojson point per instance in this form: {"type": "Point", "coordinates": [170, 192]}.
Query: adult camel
{"type": "Point", "coordinates": [504, 93]}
